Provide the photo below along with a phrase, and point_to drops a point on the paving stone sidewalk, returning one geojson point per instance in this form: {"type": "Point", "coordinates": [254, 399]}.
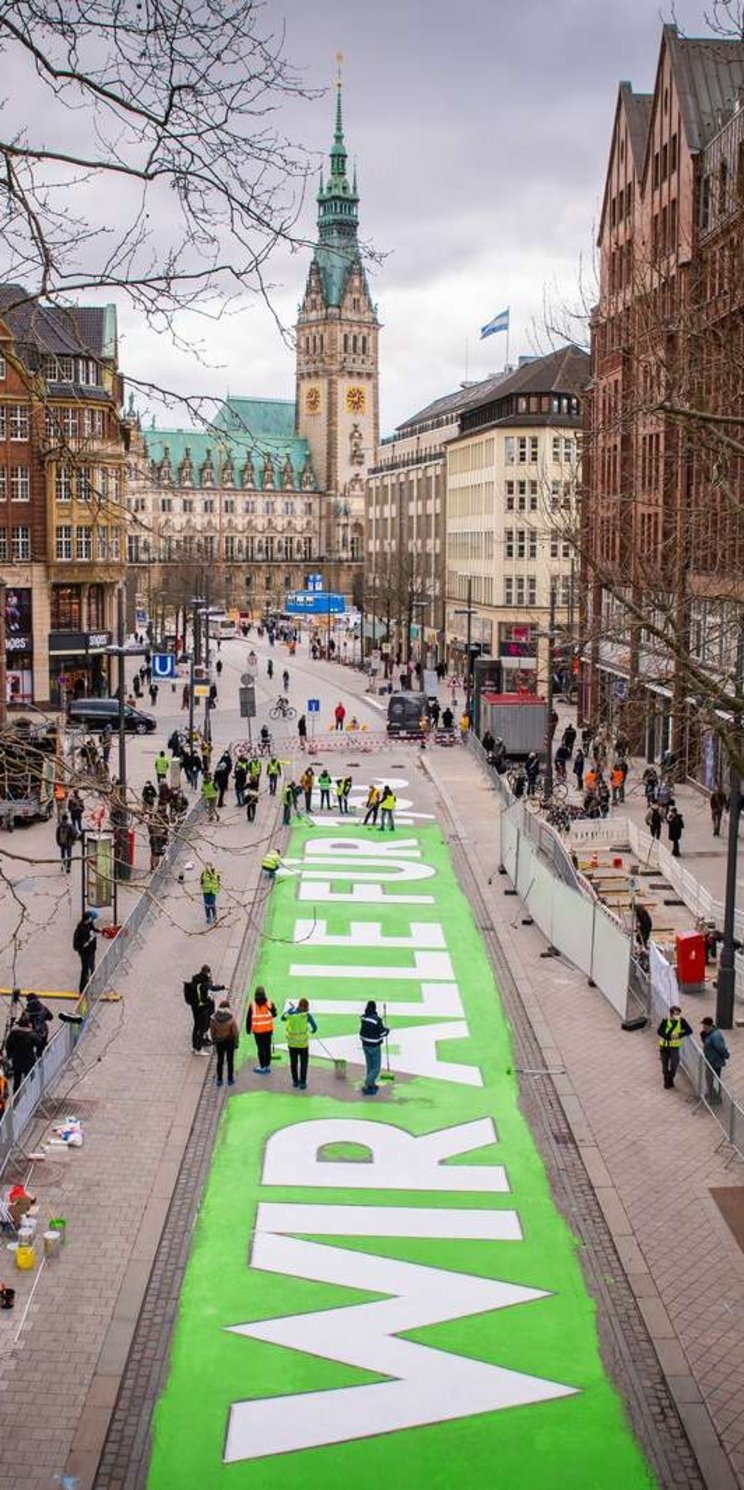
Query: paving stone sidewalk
{"type": "Point", "coordinates": [136, 1086]}
{"type": "Point", "coordinates": [652, 1157]}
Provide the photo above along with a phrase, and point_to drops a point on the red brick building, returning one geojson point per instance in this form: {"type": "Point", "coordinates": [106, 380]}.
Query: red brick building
{"type": "Point", "coordinates": [661, 540]}
{"type": "Point", "coordinates": [61, 495]}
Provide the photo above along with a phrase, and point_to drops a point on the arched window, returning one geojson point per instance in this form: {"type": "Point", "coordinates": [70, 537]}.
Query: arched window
{"type": "Point", "coordinates": [346, 342]}
{"type": "Point", "coordinates": [364, 346]}
{"type": "Point", "coordinates": [354, 344]}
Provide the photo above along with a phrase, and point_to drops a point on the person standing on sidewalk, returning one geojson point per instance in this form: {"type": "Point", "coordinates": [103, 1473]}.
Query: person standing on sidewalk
{"type": "Point", "coordinates": [210, 882]}
{"type": "Point", "coordinates": [210, 795]}
{"type": "Point", "coordinates": [372, 1033]}
{"type": "Point", "coordinates": [302, 731]}
{"type": "Point", "coordinates": [65, 836]}
{"type": "Point", "coordinates": [716, 1053]}
{"type": "Point", "coordinates": [307, 782]}
{"type": "Point", "coordinates": [300, 1025]}
{"type": "Point", "coordinates": [339, 715]}
{"type": "Point", "coordinates": [672, 1032]}
{"type": "Point", "coordinates": [251, 800]}
{"type": "Point", "coordinates": [201, 1003]}
{"type": "Point", "coordinates": [654, 820]}
{"type": "Point", "coordinates": [718, 805]}
{"type": "Point", "coordinates": [387, 808]}
{"type": "Point", "coordinates": [76, 808]}
{"type": "Point", "coordinates": [675, 829]}
{"type": "Point", "coordinates": [259, 1022]}
{"type": "Point", "coordinates": [84, 943]}
{"type": "Point", "coordinates": [273, 772]}
{"type": "Point", "coordinates": [325, 784]}
{"type": "Point", "coordinates": [288, 802]}
{"type": "Point", "coordinates": [240, 776]}
{"type": "Point", "coordinates": [223, 1028]}
{"type": "Point", "coordinates": [161, 767]}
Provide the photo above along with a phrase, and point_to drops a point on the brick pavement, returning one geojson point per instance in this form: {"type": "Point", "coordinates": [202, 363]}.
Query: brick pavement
{"type": "Point", "coordinates": [652, 1158]}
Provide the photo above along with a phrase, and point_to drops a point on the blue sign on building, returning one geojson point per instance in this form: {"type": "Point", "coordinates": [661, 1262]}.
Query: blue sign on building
{"type": "Point", "coordinates": [313, 706]}
{"type": "Point", "coordinates": [314, 603]}
{"type": "Point", "coordinates": [163, 665]}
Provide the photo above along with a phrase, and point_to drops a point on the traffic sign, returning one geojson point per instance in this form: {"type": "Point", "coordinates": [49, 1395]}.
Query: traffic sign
{"type": "Point", "coordinates": [313, 706]}
{"type": "Point", "coordinates": [314, 603]}
{"type": "Point", "coordinates": [163, 665]}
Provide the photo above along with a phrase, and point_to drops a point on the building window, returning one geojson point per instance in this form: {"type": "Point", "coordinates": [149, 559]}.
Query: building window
{"type": "Point", "coordinates": [288, 509]}
{"type": "Point", "coordinates": [132, 547]}
{"type": "Point", "coordinates": [510, 449]}
{"type": "Point", "coordinates": [531, 589]}
{"type": "Point", "coordinates": [520, 543]}
{"type": "Point", "coordinates": [269, 509]}
{"type": "Point", "coordinates": [269, 547]}
{"type": "Point", "coordinates": [20, 543]}
{"type": "Point", "coordinates": [88, 372]}
{"type": "Point", "coordinates": [63, 484]}
{"type": "Point", "coordinates": [532, 544]}
{"type": "Point", "coordinates": [288, 549]}
{"type": "Point", "coordinates": [249, 507]}
{"type": "Point", "coordinates": [166, 504]}
{"type": "Point", "coordinates": [307, 548]}
{"type": "Point", "coordinates": [308, 509]}
{"type": "Point", "coordinates": [553, 546]}
{"type": "Point", "coordinates": [102, 543]}
{"type": "Point", "coordinates": [3, 546]}
{"type": "Point", "coordinates": [519, 590]}
{"type": "Point", "coordinates": [208, 506]}
{"type": "Point", "coordinates": [3, 484]}
{"type": "Point", "coordinates": [3, 423]}
{"type": "Point", "coordinates": [509, 489]}
{"type": "Point", "coordinates": [18, 421]}
{"type": "Point", "coordinates": [64, 541]}
{"type": "Point", "coordinates": [93, 423]}
{"type": "Point", "coordinates": [230, 546]}
{"type": "Point", "coordinates": [20, 484]}
{"type": "Point", "coordinates": [82, 543]}
{"type": "Point", "coordinates": [210, 547]}
{"type": "Point", "coordinates": [250, 548]}
{"type": "Point", "coordinates": [508, 590]}
{"type": "Point", "coordinates": [556, 447]}
{"type": "Point", "coordinates": [508, 543]}
{"type": "Point", "coordinates": [2, 366]}
{"type": "Point", "coordinates": [229, 506]}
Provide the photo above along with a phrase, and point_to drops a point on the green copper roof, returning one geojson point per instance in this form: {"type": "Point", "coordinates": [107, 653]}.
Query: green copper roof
{"type": "Point", "coordinates": [245, 430]}
{"type": "Point", "coordinates": [338, 218]}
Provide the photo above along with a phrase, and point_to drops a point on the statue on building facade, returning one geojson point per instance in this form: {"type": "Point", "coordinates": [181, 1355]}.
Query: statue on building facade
{"type": "Point", "coordinates": [356, 446]}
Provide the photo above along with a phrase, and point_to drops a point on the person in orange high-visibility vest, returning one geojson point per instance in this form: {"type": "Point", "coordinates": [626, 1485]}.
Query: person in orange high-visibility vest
{"type": "Point", "coordinates": [260, 1023]}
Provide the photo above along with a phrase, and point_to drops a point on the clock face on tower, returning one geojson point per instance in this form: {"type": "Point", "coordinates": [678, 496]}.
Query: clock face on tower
{"type": "Point", "coordinates": [312, 401]}
{"type": "Point", "coordinates": [355, 400]}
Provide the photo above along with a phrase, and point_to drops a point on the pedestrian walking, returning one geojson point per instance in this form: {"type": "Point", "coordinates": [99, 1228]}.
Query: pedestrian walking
{"type": "Point", "coordinates": [302, 731]}
{"type": "Point", "coordinates": [65, 836]}
{"type": "Point", "coordinates": [260, 1023]}
{"type": "Point", "coordinates": [22, 1048]}
{"type": "Point", "coordinates": [270, 668]}
{"type": "Point", "coordinates": [288, 802]}
{"type": "Point", "coordinates": [221, 776]}
{"type": "Point", "coordinates": [650, 782]}
{"type": "Point", "coordinates": [198, 994]}
{"type": "Point", "coordinates": [218, 665]}
{"type": "Point", "coordinates": [210, 882]}
{"type": "Point", "coordinates": [153, 691]}
{"type": "Point", "coordinates": [372, 1033]}
{"type": "Point", "coordinates": [616, 782]}
{"type": "Point", "coordinates": [644, 924]}
{"type": "Point", "coordinates": [532, 771]}
{"type": "Point", "coordinates": [240, 777]}
{"type": "Point", "coordinates": [672, 1032]}
{"type": "Point", "coordinates": [225, 1035]}
{"type": "Point", "coordinates": [307, 782]}
{"type": "Point", "coordinates": [285, 681]}
{"type": "Point", "coordinates": [675, 829]}
{"type": "Point", "coordinates": [273, 772]}
{"type": "Point", "coordinates": [372, 805]}
{"type": "Point", "coordinates": [161, 766]}
{"type": "Point", "coordinates": [387, 808]}
{"type": "Point", "coordinates": [210, 795]}
{"type": "Point", "coordinates": [325, 784]}
{"type": "Point", "coordinates": [569, 738]}
{"type": "Point", "coordinates": [251, 800]}
{"type": "Point", "coordinates": [716, 1053]}
{"type": "Point", "coordinates": [433, 707]}
{"type": "Point", "coordinates": [339, 715]}
{"type": "Point", "coordinates": [84, 943]}
{"type": "Point", "coordinates": [300, 1025]}
{"type": "Point", "coordinates": [654, 821]}
{"type": "Point", "coordinates": [578, 769]}
{"type": "Point", "coordinates": [185, 694]}
{"type": "Point", "coordinates": [665, 796]}
{"type": "Point", "coordinates": [718, 805]}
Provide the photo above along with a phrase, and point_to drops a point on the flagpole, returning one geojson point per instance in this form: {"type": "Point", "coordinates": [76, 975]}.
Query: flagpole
{"type": "Point", "coordinates": [506, 361]}
{"type": "Point", "coordinates": [467, 349]}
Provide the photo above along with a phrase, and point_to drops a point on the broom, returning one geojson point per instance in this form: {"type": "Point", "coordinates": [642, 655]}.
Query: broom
{"type": "Point", "coordinates": [387, 1074]}
{"type": "Point", "coordinates": [339, 1064]}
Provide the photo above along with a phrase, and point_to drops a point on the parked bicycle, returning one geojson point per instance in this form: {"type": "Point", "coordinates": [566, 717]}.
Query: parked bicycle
{"type": "Point", "coordinates": [282, 709]}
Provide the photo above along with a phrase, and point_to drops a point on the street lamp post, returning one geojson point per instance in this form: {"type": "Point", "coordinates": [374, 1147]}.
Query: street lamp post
{"type": "Point", "coordinates": [120, 823]}
{"type": "Point", "coordinates": [549, 695]}
{"type": "Point", "coordinates": [468, 611]}
{"type": "Point", "coordinates": [726, 982]}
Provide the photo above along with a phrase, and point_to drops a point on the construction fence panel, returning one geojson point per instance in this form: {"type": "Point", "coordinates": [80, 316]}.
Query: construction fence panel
{"type": "Point", "coordinates": [573, 919]}
{"type": "Point", "coordinates": [611, 961]}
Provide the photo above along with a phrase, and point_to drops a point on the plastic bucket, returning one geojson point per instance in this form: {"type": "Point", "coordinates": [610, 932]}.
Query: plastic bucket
{"type": "Point", "coordinates": [25, 1259]}
{"type": "Point", "coordinates": [52, 1243]}
{"type": "Point", "coordinates": [59, 1224]}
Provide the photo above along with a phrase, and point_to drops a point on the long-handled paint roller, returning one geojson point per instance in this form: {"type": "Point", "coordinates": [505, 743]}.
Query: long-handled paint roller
{"type": "Point", "coordinates": [339, 1064]}
{"type": "Point", "coordinates": [387, 1074]}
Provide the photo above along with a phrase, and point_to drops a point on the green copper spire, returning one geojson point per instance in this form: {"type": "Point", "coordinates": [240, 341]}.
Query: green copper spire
{"type": "Point", "coordinates": [337, 199]}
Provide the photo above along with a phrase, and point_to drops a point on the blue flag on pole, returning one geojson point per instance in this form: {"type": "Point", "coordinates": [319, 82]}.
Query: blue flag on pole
{"type": "Point", "coordinates": [499, 323]}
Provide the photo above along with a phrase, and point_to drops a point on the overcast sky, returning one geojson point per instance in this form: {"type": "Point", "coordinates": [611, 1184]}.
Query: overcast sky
{"type": "Point", "coordinates": [481, 132]}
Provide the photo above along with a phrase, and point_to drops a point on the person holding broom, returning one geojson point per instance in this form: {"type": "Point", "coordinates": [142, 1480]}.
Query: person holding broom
{"type": "Point", "coordinates": [372, 1033]}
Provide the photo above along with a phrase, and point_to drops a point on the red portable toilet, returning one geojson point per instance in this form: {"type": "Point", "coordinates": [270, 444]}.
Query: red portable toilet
{"type": "Point", "coordinates": [690, 959]}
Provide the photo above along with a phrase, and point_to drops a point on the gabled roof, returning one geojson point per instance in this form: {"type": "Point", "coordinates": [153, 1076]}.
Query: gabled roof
{"type": "Point", "coordinates": [636, 107]}
{"type": "Point", "coordinates": [257, 417]}
{"type": "Point", "coordinates": [449, 404]}
{"type": "Point", "coordinates": [68, 330]}
{"type": "Point", "coordinates": [709, 78]}
{"type": "Point", "coordinates": [563, 371]}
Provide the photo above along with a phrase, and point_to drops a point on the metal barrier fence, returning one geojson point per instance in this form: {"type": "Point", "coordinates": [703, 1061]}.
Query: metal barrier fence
{"type": "Point", "coordinates": [22, 1109]}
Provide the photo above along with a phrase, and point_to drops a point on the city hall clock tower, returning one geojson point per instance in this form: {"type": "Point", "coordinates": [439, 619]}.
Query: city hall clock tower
{"type": "Point", "coordinates": [337, 367]}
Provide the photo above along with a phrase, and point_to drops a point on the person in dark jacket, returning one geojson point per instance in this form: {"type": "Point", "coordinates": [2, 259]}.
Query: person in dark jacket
{"type": "Point", "coordinates": [84, 943]}
{"type": "Point", "coordinates": [372, 1033]}
{"type": "Point", "coordinates": [654, 821]}
{"type": "Point", "coordinates": [532, 771]}
{"type": "Point", "coordinates": [675, 829]}
{"type": "Point", "coordinates": [644, 924]}
{"type": "Point", "coordinates": [202, 1006]}
{"type": "Point", "coordinates": [240, 777]}
{"type": "Point", "coordinates": [65, 836]}
{"type": "Point", "coordinates": [569, 738]}
{"type": "Point", "coordinates": [23, 1048]}
{"type": "Point", "coordinates": [76, 807]}
{"type": "Point", "coordinates": [716, 1053]}
{"type": "Point", "coordinates": [221, 776]}
{"type": "Point", "coordinates": [578, 769]}
{"type": "Point", "coordinates": [718, 805]}
{"type": "Point", "coordinates": [223, 1028]}
{"type": "Point", "coordinates": [40, 1016]}
{"type": "Point", "coordinates": [671, 1032]}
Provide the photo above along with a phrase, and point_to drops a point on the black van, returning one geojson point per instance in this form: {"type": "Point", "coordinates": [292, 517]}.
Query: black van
{"type": "Point", "coordinates": [95, 713]}
{"type": "Point", "coordinates": [405, 712]}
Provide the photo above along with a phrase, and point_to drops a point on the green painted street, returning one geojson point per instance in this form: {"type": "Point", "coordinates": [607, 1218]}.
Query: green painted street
{"type": "Point", "coordinates": [381, 1289]}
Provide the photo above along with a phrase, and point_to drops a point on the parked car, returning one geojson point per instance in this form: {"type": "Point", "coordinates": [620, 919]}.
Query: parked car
{"type": "Point", "coordinates": [95, 713]}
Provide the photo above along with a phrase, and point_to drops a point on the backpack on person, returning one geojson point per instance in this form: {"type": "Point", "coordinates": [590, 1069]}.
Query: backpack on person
{"type": "Point", "coordinates": [189, 992]}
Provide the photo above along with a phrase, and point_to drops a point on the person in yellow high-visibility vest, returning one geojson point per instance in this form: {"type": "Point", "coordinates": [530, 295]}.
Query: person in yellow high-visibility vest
{"type": "Point", "coordinates": [260, 1023]}
{"type": "Point", "coordinates": [672, 1032]}
{"type": "Point", "coordinates": [300, 1025]}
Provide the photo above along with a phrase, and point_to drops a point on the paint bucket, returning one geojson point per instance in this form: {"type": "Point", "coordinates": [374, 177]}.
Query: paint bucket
{"type": "Point", "coordinates": [52, 1243]}
{"type": "Point", "coordinates": [59, 1224]}
{"type": "Point", "coordinates": [7, 1298]}
{"type": "Point", "coordinates": [25, 1236]}
{"type": "Point", "coordinates": [25, 1259]}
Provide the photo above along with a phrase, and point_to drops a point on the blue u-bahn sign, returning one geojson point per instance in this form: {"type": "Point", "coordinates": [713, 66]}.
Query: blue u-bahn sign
{"type": "Point", "coordinates": [314, 603]}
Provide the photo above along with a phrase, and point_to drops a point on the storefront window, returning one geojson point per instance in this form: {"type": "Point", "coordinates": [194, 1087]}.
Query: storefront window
{"type": "Point", "coordinates": [66, 608]}
{"type": "Point", "coordinates": [95, 608]}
